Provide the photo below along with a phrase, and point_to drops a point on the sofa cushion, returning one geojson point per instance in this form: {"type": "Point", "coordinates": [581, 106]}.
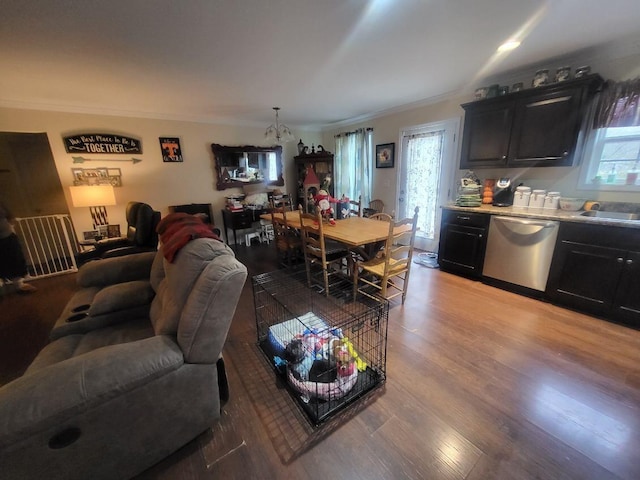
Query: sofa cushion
{"type": "Point", "coordinates": [108, 271]}
{"type": "Point", "coordinates": [121, 296]}
{"type": "Point", "coordinates": [180, 277]}
{"type": "Point", "coordinates": [71, 346]}
{"type": "Point", "coordinates": [202, 330]}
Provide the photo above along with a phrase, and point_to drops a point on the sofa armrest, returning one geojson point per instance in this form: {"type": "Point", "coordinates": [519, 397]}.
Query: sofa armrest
{"type": "Point", "coordinates": [109, 243]}
{"type": "Point", "coordinates": [53, 396]}
{"type": "Point", "coordinates": [128, 250]}
{"type": "Point", "coordinates": [104, 306]}
{"type": "Point", "coordinates": [109, 271]}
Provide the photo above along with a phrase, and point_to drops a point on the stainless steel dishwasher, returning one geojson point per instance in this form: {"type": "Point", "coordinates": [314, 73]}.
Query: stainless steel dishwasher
{"type": "Point", "coordinates": [519, 250]}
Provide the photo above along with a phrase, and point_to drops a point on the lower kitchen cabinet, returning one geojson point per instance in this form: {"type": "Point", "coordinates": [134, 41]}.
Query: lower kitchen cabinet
{"type": "Point", "coordinates": [463, 241]}
{"type": "Point", "coordinates": [627, 302]}
{"type": "Point", "coordinates": [595, 270]}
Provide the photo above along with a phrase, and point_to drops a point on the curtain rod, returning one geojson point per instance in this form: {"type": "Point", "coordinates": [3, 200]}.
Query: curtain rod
{"type": "Point", "coordinates": [359, 130]}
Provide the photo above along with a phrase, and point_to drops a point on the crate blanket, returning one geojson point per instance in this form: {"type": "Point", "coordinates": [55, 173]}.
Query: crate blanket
{"type": "Point", "coordinates": [320, 340]}
{"type": "Point", "coordinates": [281, 334]}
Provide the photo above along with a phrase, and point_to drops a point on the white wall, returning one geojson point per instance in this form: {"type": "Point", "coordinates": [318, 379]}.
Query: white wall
{"type": "Point", "coordinates": [151, 181]}
{"type": "Point", "coordinates": [616, 61]}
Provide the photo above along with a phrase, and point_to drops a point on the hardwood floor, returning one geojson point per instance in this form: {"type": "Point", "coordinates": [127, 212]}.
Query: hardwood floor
{"type": "Point", "coordinates": [26, 319]}
{"type": "Point", "coordinates": [482, 384]}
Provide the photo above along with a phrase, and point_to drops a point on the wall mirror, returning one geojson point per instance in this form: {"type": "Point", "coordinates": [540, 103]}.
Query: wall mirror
{"type": "Point", "coordinates": [238, 166]}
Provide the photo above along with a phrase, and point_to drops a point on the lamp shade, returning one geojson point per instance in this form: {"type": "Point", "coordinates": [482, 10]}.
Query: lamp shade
{"type": "Point", "coordinates": [92, 195]}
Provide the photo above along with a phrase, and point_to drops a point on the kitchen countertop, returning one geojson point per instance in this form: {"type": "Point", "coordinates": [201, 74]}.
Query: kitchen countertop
{"type": "Point", "coordinates": [545, 214]}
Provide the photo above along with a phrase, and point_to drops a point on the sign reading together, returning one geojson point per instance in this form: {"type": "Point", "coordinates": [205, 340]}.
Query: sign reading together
{"type": "Point", "coordinates": [102, 143]}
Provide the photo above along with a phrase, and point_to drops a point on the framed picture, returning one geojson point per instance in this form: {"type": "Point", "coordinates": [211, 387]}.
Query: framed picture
{"type": "Point", "coordinates": [97, 176]}
{"type": "Point", "coordinates": [90, 235]}
{"type": "Point", "coordinates": [171, 151]}
{"type": "Point", "coordinates": [113, 231]}
{"type": "Point", "coordinates": [385, 155]}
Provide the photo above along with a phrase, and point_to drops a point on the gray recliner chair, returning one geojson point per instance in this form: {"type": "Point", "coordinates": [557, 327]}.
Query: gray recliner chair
{"type": "Point", "coordinates": [108, 398]}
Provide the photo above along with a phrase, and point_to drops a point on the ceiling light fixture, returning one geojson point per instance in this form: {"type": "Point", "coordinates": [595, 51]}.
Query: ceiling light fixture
{"type": "Point", "coordinates": [509, 45]}
{"type": "Point", "coordinates": [278, 133]}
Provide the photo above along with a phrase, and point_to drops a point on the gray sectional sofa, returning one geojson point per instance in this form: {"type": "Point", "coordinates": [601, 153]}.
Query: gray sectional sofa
{"type": "Point", "coordinates": [131, 373]}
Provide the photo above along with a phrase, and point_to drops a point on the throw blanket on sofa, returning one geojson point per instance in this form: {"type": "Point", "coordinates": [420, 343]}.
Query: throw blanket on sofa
{"type": "Point", "coordinates": [178, 229]}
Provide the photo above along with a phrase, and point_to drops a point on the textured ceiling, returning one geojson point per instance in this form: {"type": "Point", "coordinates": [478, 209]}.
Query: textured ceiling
{"type": "Point", "coordinates": [321, 61]}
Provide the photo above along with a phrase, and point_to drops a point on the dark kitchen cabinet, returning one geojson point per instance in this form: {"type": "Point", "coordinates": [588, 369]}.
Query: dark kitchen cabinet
{"type": "Point", "coordinates": [487, 131]}
{"type": "Point", "coordinates": [535, 127]}
{"type": "Point", "coordinates": [595, 270]}
{"type": "Point", "coordinates": [627, 302]}
{"type": "Point", "coordinates": [463, 241]}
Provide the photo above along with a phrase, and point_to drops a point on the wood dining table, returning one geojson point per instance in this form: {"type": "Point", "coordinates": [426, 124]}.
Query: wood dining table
{"type": "Point", "coordinates": [351, 231]}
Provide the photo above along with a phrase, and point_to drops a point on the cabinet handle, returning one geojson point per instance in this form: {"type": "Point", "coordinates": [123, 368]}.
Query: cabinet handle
{"type": "Point", "coordinates": [480, 235]}
{"type": "Point", "coordinates": [629, 262]}
{"type": "Point", "coordinates": [619, 259]}
{"type": "Point", "coordinates": [504, 157]}
{"type": "Point", "coordinates": [564, 154]}
{"type": "Point", "coordinates": [460, 217]}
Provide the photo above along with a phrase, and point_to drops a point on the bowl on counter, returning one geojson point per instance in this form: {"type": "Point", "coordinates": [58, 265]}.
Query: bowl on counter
{"type": "Point", "coordinates": [571, 204]}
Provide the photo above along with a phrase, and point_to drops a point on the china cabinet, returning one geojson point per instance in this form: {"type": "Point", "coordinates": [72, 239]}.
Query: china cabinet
{"type": "Point", "coordinates": [314, 171]}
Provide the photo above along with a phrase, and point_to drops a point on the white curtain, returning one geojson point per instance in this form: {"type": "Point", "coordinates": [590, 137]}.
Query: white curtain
{"type": "Point", "coordinates": [424, 154]}
{"type": "Point", "coordinates": [619, 104]}
{"type": "Point", "coordinates": [353, 163]}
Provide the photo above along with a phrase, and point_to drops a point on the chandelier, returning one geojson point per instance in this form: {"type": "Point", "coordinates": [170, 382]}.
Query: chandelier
{"type": "Point", "coordinates": [278, 133]}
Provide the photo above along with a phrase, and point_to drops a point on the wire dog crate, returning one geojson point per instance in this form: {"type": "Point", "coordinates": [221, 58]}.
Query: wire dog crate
{"type": "Point", "coordinates": [330, 351]}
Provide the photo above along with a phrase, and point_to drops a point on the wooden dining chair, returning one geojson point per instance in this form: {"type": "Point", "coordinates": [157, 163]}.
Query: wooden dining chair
{"type": "Point", "coordinates": [376, 205]}
{"type": "Point", "coordinates": [355, 207]}
{"type": "Point", "coordinates": [388, 273]}
{"type": "Point", "coordinates": [320, 251]}
{"type": "Point", "coordinates": [370, 250]}
{"type": "Point", "coordinates": [287, 239]}
{"type": "Point", "coordinates": [283, 201]}
{"type": "Point", "coordinates": [385, 217]}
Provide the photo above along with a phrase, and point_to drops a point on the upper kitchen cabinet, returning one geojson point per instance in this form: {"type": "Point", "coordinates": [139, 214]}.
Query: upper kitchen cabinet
{"type": "Point", "coordinates": [536, 127]}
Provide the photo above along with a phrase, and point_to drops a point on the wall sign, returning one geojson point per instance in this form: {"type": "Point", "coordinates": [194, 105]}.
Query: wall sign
{"type": "Point", "coordinates": [171, 151]}
{"type": "Point", "coordinates": [102, 143]}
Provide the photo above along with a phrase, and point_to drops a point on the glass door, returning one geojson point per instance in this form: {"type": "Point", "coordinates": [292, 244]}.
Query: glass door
{"type": "Point", "coordinates": [428, 161]}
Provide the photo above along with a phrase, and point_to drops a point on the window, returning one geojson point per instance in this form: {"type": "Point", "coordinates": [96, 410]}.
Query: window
{"type": "Point", "coordinates": [612, 157]}
{"type": "Point", "coordinates": [272, 167]}
{"type": "Point", "coordinates": [353, 163]}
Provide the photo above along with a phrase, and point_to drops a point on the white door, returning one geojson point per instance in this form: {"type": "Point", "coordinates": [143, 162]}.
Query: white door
{"type": "Point", "coordinates": [428, 159]}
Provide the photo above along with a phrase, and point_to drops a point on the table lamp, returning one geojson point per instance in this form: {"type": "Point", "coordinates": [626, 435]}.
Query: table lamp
{"type": "Point", "coordinates": [96, 197]}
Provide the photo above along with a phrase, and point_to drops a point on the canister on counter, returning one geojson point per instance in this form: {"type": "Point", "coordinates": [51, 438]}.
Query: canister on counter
{"type": "Point", "coordinates": [522, 196]}
{"type": "Point", "coordinates": [551, 200]}
{"type": "Point", "coordinates": [537, 198]}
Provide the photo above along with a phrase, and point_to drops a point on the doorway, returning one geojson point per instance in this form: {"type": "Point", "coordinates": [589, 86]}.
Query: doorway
{"type": "Point", "coordinates": [427, 166]}
{"type": "Point", "coordinates": [29, 181]}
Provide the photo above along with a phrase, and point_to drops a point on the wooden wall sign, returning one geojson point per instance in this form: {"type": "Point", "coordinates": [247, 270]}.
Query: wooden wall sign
{"type": "Point", "coordinates": [102, 143]}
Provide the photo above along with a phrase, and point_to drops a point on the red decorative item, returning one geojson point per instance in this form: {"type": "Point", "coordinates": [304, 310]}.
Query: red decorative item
{"type": "Point", "coordinates": [323, 202]}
